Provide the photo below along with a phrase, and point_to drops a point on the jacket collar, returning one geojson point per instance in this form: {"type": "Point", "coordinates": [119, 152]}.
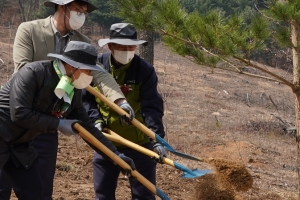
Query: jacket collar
{"type": "Point", "coordinates": [48, 35]}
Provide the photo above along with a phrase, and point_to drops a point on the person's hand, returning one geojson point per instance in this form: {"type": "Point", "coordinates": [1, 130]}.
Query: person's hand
{"type": "Point", "coordinates": [124, 119]}
{"type": "Point", "coordinates": [100, 126]}
{"type": "Point", "coordinates": [66, 126]}
{"type": "Point", "coordinates": [129, 161]}
{"type": "Point", "coordinates": [160, 150]}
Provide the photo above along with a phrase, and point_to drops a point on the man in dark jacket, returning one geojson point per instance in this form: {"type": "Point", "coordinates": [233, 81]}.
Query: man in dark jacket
{"type": "Point", "coordinates": [44, 96]}
{"type": "Point", "coordinates": [33, 41]}
{"type": "Point", "coordinates": [138, 82]}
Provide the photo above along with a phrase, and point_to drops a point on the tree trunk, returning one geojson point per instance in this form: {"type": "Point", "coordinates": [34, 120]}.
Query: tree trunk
{"type": "Point", "coordinates": [295, 33]}
{"type": "Point", "coordinates": [20, 3]}
{"type": "Point", "coordinates": [147, 52]}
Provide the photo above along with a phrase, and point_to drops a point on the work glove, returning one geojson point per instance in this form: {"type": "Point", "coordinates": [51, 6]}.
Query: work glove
{"type": "Point", "coordinates": [66, 126]}
{"type": "Point", "coordinates": [123, 118]}
{"type": "Point", "coordinates": [100, 126]}
{"type": "Point", "coordinates": [160, 150]}
{"type": "Point", "coordinates": [129, 161]}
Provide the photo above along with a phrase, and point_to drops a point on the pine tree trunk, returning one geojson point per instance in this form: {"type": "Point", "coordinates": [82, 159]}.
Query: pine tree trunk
{"type": "Point", "coordinates": [295, 33]}
{"type": "Point", "coordinates": [147, 52]}
{"type": "Point", "coordinates": [21, 7]}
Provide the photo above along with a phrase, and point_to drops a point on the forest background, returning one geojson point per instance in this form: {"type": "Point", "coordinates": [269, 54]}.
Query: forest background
{"type": "Point", "coordinates": [99, 21]}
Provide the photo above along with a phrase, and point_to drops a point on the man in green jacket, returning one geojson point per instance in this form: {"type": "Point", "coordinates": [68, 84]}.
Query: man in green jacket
{"type": "Point", "coordinates": [138, 82]}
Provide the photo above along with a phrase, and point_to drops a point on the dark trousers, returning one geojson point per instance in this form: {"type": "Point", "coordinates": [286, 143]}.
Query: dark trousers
{"type": "Point", "coordinates": [27, 183]}
{"type": "Point", "coordinates": [46, 145]}
{"type": "Point", "coordinates": [106, 175]}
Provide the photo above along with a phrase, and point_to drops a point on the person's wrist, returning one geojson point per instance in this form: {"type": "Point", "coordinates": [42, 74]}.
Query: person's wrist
{"type": "Point", "coordinates": [120, 101]}
{"type": "Point", "coordinates": [99, 121]}
{"type": "Point", "coordinates": [60, 124]}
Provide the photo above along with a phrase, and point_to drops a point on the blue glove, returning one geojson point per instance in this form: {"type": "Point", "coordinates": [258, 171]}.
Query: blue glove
{"type": "Point", "coordinates": [129, 161]}
{"type": "Point", "coordinates": [66, 126]}
{"type": "Point", "coordinates": [123, 118]}
{"type": "Point", "coordinates": [160, 150]}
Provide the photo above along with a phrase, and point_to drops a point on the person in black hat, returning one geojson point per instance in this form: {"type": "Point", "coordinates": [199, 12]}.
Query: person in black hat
{"type": "Point", "coordinates": [33, 41]}
{"type": "Point", "coordinates": [44, 96]}
{"type": "Point", "coordinates": [138, 82]}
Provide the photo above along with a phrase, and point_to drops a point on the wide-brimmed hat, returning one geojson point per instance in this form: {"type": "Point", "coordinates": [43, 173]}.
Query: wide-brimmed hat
{"type": "Point", "coordinates": [51, 3]}
{"type": "Point", "coordinates": [122, 33]}
{"type": "Point", "coordinates": [80, 55]}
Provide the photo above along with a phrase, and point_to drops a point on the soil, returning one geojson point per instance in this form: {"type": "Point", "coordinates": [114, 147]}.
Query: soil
{"type": "Point", "coordinates": [237, 126]}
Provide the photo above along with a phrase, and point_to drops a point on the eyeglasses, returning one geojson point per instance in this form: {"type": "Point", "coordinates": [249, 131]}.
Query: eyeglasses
{"type": "Point", "coordinates": [124, 47]}
{"type": "Point", "coordinates": [78, 11]}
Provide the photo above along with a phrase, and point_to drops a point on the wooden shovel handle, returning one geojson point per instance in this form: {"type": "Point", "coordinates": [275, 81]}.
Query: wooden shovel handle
{"type": "Point", "coordinates": [96, 143]}
{"type": "Point", "coordinates": [120, 111]}
{"type": "Point", "coordinates": [117, 138]}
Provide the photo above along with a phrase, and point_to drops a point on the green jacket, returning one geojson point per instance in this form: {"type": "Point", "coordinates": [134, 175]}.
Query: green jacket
{"type": "Point", "coordinates": [138, 82]}
{"type": "Point", "coordinates": [111, 118]}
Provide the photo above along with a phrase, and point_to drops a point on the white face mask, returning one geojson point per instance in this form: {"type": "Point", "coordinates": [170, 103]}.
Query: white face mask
{"type": "Point", "coordinates": [76, 21]}
{"type": "Point", "coordinates": [123, 57]}
{"type": "Point", "coordinates": [83, 81]}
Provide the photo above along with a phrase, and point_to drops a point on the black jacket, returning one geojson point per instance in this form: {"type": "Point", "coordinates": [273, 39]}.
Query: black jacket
{"type": "Point", "coordinates": [26, 102]}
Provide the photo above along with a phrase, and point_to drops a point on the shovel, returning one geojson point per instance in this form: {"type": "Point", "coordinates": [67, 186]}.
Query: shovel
{"type": "Point", "coordinates": [139, 125]}
{"type": "Point", "coordinates": [187, 172]}
{"type": "Point", "coordinates": [96, 143]}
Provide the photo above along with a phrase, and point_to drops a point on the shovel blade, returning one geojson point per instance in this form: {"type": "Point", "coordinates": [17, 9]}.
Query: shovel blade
{"type": "Point", "coordinates": [168, 147]}
{"type": "Point", "coordinates": [196, 173]}
{"type": "Point", "coordinates": [183, 155]}
{"type": "Point", "coordinates": [188, 173]}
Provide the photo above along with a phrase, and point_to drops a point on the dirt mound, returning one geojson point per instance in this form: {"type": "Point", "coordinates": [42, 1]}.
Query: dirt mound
{"type": "Point", "coordinates": [232, 175]}
{"type": "Point", "coordinates": [229, 177]}
{"type": "Point", "coordinates": [209, 188]}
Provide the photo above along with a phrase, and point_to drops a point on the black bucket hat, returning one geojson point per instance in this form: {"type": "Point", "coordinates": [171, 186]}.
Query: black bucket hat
{"type": "Point", "coordinates": [124, 34]}
{"type": "Point", "coordinates": [80, 55]}
{"type": "Point", "coordinates": [51, 3]}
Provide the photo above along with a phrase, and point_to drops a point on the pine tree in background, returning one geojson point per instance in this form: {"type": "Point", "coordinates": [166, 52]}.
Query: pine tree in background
{"type": "Point", "coordinates": [103, 16]}
{"type": "Point", "coordinates": [210, 38]}
{"type": "Point", "coordinates": [228, 7]}
{"type": "Point", "coordinates": [43, 11]}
